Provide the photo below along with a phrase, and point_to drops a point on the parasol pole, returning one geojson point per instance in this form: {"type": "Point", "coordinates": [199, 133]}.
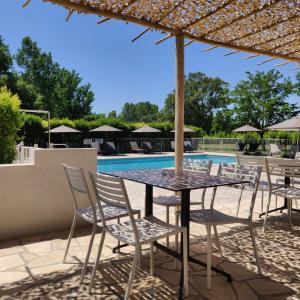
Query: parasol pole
{"type": "Point", "coordinates": [179, 102]}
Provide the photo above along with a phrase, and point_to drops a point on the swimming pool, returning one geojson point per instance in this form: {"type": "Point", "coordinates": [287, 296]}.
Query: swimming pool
{"type": "Point", "coordinates": [156, 162]}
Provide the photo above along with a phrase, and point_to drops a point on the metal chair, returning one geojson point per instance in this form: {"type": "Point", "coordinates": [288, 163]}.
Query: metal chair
{"type": "Point", "coordinates": [276, 169]}
{"type": "Point", "coordinates": [212, 218]}
{"type": "Point", "coordinates": [91, 214]}
{"type": "Point", "coordinates": [203, 166]}
{"type": "Point", "coordinates": [138, 232]}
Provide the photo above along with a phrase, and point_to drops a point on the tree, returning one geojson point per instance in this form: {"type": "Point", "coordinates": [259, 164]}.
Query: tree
{"type": "Point", "coordinates": [6, 60]}
{"type": "Point", "coordinates": [203, 96]}
{"type": "Point", "coordinates": [60, 89]}
{"type": "Point", "coordinates": [223, 121]}
{"type": "Point", "coordinates": [261, 99]}
{"type": "Point", "coordinates": [139, 112]}
{"type": "Point", "coordinates": [10, 122]}
{"type": "Point", "coordinates": [112, 114]}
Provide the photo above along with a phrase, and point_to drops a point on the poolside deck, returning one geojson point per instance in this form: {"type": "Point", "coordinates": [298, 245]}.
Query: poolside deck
{"type": "Point", "coordinates": [31, 268]}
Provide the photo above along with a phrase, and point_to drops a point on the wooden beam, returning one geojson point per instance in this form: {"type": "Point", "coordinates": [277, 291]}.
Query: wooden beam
{"type": "Point", "coordinates": [91, 10]}
{"type": "Point", "coordinates": [164, 39]}
{"type": "Point", "coordinates": [267, 60]}
{"type": "Point", "coordinates": [103, 20]}
{"type": "Point", "coordinates": [188, 43]}
{"type": "Point", "coordinates": [282, 64]}
{"type": "Point", "coordinates": [250, 56]}
{"type": "Point", "coordinates": [296, 68]}
{"type": "Point", "coordinates": [140, 35]}
{"type": "Point", "coordinates": [232, 52]}
{"type": "Point", "coordinates": [26, 3]}
{"type": "Point", "coordinates": [69, 15]}
{"type": "Point", "coordinates": [179, 103]}
{"type": "Point", "coordinates": [210, 48]}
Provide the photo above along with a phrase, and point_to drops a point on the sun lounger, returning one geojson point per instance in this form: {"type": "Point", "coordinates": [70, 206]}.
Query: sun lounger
{"type": "Point", "coordinates": [187, 146]}
{"type": "Point", "coordinates": [108, 148]}
{"type": "Point", "coordinates": [148, 147]}
{"type": "Point", "coordinates": [240, 146]}
{"type": "Point", "coordinates": [135, 148]}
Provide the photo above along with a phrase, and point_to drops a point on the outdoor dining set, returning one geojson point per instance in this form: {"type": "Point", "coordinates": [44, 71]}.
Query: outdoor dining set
{"type": "Point", "coordinates": [112, 204]}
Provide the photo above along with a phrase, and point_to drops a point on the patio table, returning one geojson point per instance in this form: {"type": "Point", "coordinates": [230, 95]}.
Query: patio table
{"type": "Point", "coordinates": [183, 182]}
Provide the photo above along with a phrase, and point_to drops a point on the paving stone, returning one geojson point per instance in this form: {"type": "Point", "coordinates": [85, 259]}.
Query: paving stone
{"type": "Point", "coordinates": [38, 247]}
{"type": "Point", "coordinates": [243, 291]}
{"type": "Point", "coordinates": [269, 287]}
{"type": "Point", "coordinates": [11, 276]}
{"type": "Point", "coordinates": [10, 261]}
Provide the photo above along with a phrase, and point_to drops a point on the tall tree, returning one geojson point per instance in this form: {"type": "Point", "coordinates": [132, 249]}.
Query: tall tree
{"type": "Point", "coordinates": [139, 112]}
{"type": "Point", "coordinates": [261, 99]}
{"type": "Point", "coordinates": [203, 96]}
{"type": "Point", "coordinates": [61, 89]}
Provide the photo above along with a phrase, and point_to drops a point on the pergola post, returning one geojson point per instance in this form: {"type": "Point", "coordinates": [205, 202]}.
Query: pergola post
{"type": "Point", "coordinates": [179, 102]}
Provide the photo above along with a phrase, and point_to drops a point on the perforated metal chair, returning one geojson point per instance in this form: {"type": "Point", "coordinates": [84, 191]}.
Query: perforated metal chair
{"type": "Point", "coordinates": [212, 217]}
{"type": "Point", "coordinates": [278, 169]}
{"type": "Point", "coordinates": [203, 166]}
{"type": "Point", "coordinates": [91, 214]}
{"type": "Point", "coordinates": [137, 232]}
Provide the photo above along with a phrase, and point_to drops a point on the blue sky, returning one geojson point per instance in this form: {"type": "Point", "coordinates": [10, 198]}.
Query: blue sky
{"type": "Point", "coordinates": [118, 70]}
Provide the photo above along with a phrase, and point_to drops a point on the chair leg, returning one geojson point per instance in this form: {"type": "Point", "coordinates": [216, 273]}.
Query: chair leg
{"type": "Point", "coordinates": [132, 272]}
{"type": "Point", "coordinates": [262, 201]}
{"type": "Point", "coordinates": [289, 204]}
{"type": "Point", "coordinates": [88, 253]}
{"type": "Point", "coordinates": [118, 240]}
{"type": "Point", "coordinates": [254, 247]}
{"type": "Point", "coordinates": [267, 211]}
{"type": "Point", "coordinates": [208, 256]}
{"type": "Point", "coordinates": [97, 261]}
{"type": "Point", "coordinates": [168, 221]}
{"type": "Point", "coordinates": [151, 260]}
{"type": "Point", "coordinates": [176, 235]}
{"type": "Point", "coordinates": [185, 265]}
{"type": "Point", "coordinates": [70, 237]}
{"type": "Point", "coordinates": [217, 239]}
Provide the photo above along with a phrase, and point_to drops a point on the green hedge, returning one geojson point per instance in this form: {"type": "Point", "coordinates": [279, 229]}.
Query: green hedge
{"type": "Point", "coordinates": [10, 122]}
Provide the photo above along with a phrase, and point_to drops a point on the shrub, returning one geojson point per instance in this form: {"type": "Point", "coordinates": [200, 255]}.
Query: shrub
{"type": "Point", "coordinates": [11, 120]}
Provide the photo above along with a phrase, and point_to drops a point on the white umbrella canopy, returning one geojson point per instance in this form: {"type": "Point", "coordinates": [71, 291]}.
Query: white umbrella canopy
{"type": "Point", "coordinates": [146, 129]}
{"type": "Point", "coordinates": [292, 124]}
{"type": "Point", "coordinates": [105, 128]}
{"type": "Point", "coordinates": [63, 129]}
{"type": "Point", "coordinates": [246, 128]}
{"type": "Point", "coordinates": [185, 129]}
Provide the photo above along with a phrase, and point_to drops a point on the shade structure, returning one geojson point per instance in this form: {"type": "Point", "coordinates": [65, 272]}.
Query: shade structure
{"type": "Point", "coordinates": [63, 129]}
{"type": "Point", "coordinates": [105, 128]}
{"type": "Point", "coordinates": [292, 124]}
{"type": "Point", "coordinates": [185, 130]}
{"type": "Point", "coordinates": [246, 128]}
{"type": "Point", "coordinates": [146, 129]}
{"type": "Point", "coordinates": [260, 27]}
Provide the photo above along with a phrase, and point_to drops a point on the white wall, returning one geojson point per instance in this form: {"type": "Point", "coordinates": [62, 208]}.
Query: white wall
{"type": "Point", "coordinates": [35, 198]}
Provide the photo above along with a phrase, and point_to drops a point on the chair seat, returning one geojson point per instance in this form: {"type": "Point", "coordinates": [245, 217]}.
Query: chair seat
{"type": "Point", "coordinates": [214, 217]}
{"type": "Point", "coordinates": [149, 229]}
{"type": "Point", "coordinates": [287, 192]}
{"type": "Point", "coordinates": [110, 212]}
{"type": "Point", "coordinates": [170, 201]}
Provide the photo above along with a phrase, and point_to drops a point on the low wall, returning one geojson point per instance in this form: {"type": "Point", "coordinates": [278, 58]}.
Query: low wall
{"type": "Point", "coordinates": [35, 198]}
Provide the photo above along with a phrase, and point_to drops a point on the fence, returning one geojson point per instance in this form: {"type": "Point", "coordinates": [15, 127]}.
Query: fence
{"type": "Point", "coordinates": [198, 144]}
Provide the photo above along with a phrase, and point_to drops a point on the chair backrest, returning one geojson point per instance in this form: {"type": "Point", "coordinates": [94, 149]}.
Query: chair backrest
{"type": "Point", "coordinates": [297, 155]}
{"type": "Point", "coordinates": [96, 146]}
{"type": "Point", "coordinates": [199, 165]}
{"type": "Point", "coordinates": [134, 145]}
{"type": "Point", "coordinates": [279, 167]}
{"type": "Point", "coordinates": [274, 149]}
{"type": "Point", "coordinates": [111, 190]}
{"type": "Point", "coordinates": [251, 160]}
{"type": "Point", "coordinates": [172, 145]}
{"type": "Point", "coordinates": [78, 185]}
{"type": "Point", "coordinates": [111, 145]}
{"type": "Point", "coordinates": [87, 141]}
{"type": "Point", "coordinates": [148, 145]}
{"type": "Point", "coordinates": [244, 172]}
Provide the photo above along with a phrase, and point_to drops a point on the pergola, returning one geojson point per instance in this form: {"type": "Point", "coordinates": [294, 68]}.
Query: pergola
{"type": "Point", "coordinates": [261, 27]}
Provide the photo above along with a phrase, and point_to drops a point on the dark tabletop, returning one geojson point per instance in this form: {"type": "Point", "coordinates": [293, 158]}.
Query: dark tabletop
{"type": "Point", "coordinates": [175, 181]}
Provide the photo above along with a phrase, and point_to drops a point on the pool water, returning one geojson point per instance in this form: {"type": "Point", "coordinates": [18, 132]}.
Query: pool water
{"type": "Point", "coordinates": [140, 163]}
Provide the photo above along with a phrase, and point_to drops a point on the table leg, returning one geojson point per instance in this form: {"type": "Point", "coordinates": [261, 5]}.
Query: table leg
{"type": "Point", "coordinates": [149, 200]}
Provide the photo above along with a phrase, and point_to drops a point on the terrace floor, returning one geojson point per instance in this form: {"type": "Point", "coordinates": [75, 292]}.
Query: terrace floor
{"type": "Point", "coordinates": [32, 268]}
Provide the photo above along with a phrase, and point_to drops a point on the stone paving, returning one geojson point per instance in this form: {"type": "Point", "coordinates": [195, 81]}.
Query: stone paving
{"type": "Point", "coordinates": [32, 268]}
